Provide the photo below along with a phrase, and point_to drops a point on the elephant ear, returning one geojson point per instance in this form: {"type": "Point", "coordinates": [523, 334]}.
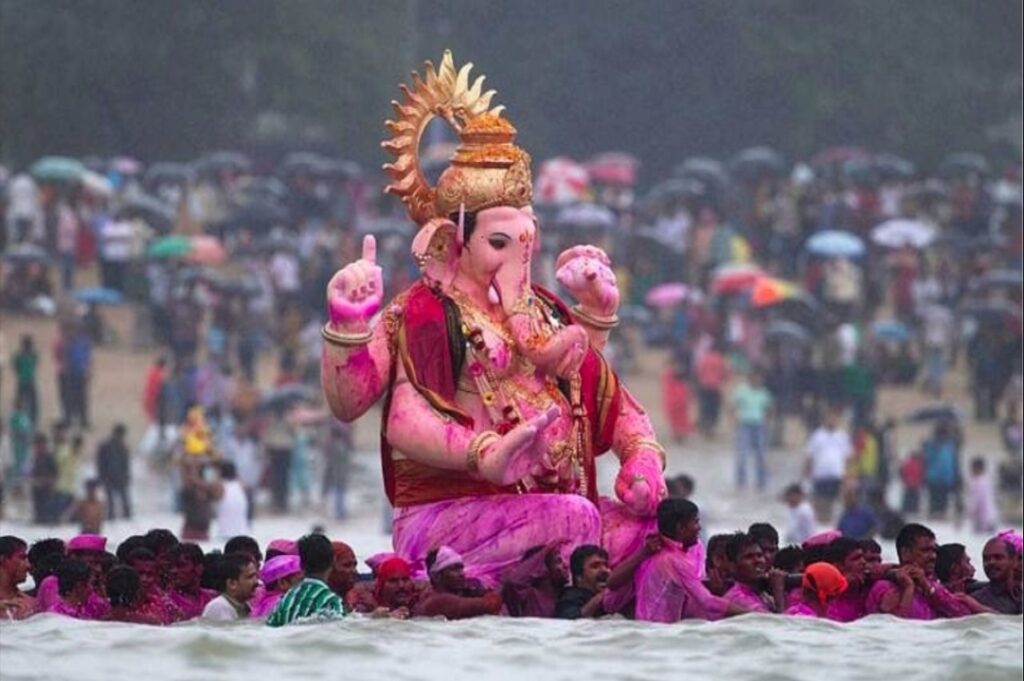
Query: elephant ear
{"type": "Point", "coordinates": [436, 252]}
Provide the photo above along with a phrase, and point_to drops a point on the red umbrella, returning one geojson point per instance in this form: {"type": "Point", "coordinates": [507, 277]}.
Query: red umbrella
{"type": "Point", "coordinates": [614, 168]}
{"type": "Point", "coordinates": [207, 250]}
{"type": "Point", "coordinates": [735, 278]}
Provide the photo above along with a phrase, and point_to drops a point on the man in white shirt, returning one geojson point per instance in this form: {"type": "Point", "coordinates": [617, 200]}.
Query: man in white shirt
{"type": "Point", "coordinates": [828, 450]}
{"type": "Point", "coordinates": [238, 579]}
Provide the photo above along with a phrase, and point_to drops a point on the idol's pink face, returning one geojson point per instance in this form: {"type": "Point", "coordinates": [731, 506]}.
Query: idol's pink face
{"type": "Point", "coordinates": [497, 254]}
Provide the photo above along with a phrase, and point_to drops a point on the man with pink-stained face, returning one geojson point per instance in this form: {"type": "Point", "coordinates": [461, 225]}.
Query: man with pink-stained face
{"type": "Point", "coordinates": [913, 591]}
{"type": "Point", "coordinates": [497, 399]}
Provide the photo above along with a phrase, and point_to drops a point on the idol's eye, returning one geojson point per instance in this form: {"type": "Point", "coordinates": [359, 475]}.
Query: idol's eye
{"type": "Point", "coordinates": [498, 242]}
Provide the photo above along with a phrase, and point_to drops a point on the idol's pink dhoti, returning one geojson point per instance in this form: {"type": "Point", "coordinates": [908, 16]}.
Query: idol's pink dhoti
{"type": "Point", "coordinates": [493, 532]}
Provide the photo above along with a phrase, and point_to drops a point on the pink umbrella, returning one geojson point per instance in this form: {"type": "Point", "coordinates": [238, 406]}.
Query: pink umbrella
{"type": "Point", "coordinates": [561, 181]}
{"type": "Point", "coordinates": [667, 295]}
{"type": "Point", "coordinates": [207, 250]}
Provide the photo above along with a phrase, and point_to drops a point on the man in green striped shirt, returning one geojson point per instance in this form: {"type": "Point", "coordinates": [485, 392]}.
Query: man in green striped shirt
{"type": "Point", "coordinates": [310, 598]}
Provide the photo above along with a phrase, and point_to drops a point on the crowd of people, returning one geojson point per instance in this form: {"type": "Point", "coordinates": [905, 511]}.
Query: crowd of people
{"type": "Point", "coordinates": [157, 579]}
{"type": "Point", "coordinates": [779, 296]}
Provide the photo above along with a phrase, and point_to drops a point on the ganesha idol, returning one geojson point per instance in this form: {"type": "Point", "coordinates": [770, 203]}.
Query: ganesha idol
{"type": "Point", "coordinates": [496, 398]}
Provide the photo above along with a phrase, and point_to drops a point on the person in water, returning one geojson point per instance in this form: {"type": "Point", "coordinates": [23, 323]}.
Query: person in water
{"type": "Point", "coordinates": [279, 575]}
{"type": "Point", "coordinates": [913, 591]}
{"type": "Point", "coordinates": [668, 584]}
{"type": "Point", "coordinates": [237, 581]}
{"type": "Point", "coordinates": [1003, 591]}
{"type": "Point", "coordinates": [590, 574]}
{"type": "Point", "coordinates": [14, 565]}
{"type": "Point", "coordinates": [751, 575]}
{"type": "Point", "coordinates": [311, 597]}
{"type": "Point", "coordinates": [450, 595]}
{"type": "Point", "coordinates": [532, 587]}
{"type": "Point", "coordinates": [821, 584]}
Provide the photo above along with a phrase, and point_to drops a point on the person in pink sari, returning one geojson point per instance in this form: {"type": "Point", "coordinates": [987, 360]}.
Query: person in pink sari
{"type": "Point", "coordinates": [751, 575]}
{"type": "Point", "coordinates": [914, 592]}
{"type": "Point", "coordinates": [822, 583]}
{"type": "Point", "coordinates": [668, 584]}
{"type": "Point", "coordinates": [279, 574]}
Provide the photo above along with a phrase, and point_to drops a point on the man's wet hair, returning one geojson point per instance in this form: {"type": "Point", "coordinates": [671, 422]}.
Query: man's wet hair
{"type": "Point", "coordinates": [739, 541]}
{"type": "Point", "coordinates": [789, 558]}
{"type": "Point", "coordinates": [909, 535]}
{"type": "Point", "coordinates": [70, 573]}
{"type": "Point", "coordinates": [160, 541]}
{"type": "Point", "coordinates": [123, 586]}
{"type": "Point", "coordinates": [315, 553]}
{"type": "Point", "coordinates": [9, 545]}
{"type": "Point", "coordinates": [946, 557]}
{"type": "Point", "coordinates": [579, 558]}
{"type": "Point", "coordinates": [764, 533]}
{"type": "Point", "coordinates": [673, 511]}
{"type": "Point", "coordinates": [244, 544]}
{"type": "Point", "coordinates": [841, 547]}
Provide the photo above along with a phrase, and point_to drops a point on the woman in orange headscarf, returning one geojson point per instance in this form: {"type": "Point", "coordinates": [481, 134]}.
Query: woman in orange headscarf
{"type": "Point", "coordinates": [822, 582]}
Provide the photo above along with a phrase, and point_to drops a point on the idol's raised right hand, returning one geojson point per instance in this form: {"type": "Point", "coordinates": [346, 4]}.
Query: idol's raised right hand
{"type": "Point", "coordinates": [355, 292]}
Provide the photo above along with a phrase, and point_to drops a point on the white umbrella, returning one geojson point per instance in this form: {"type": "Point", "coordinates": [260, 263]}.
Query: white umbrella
{"type": "Point", "coordinates": [901, 232]}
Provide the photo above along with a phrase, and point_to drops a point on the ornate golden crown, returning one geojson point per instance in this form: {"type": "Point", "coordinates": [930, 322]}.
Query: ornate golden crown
{"type": "Point", "coordinates": [487, 169]}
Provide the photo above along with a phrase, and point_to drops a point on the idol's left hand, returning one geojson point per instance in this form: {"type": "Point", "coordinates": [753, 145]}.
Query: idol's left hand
{"type": "Point", "coordinates": [586, 272]}
{"type": "Point", "coordinates": [640, 484]}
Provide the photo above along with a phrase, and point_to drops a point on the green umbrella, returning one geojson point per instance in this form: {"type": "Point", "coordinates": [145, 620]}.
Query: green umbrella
{"type": "Point", "coordinates": [57, 169]}
{"type": "Point", "coordinates": [174, 246]}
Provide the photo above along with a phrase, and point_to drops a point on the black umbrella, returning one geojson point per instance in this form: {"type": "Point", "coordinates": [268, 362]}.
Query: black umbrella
{"type": "Point", "coordinates": [300, 162]}
{"type": "Point", "coordinates": [935, 412]}
{"type": "Point", "coordinates": [963, 164]}
{"type": "Point", "coordinates": [149, 209]}
{"type": "Point", "coordinates": [26, 253]}
{"type": "Point", "coordinates": [1003, 278]}
{"type": "Point", "coordinates": [263, 188]}
{"type": "Point", "coordinates": [929, 191]}
{"type": "Point", "coordinates": [891, 167]}
{"type": "Point", "coordinates": [673, 190]}
{"type": "Point", "coordinates": [340, 169]}
{"type": "Point", "coordinates": [991, 311]}
{"type": "Point", "coordinates": [259, 214]}
{"type": "Point", "coordinates": [285, 397]}
{"type": "Point", "coordinates": [783, 331]}
{"type": "Point", "coordinates": [167, 173]}
{"type": "Point", "coordinates": [211, 164]}
{"type": "Point", "coordinates": [707, 170]}
{"type": "Point", "coordinates": [756, 162]}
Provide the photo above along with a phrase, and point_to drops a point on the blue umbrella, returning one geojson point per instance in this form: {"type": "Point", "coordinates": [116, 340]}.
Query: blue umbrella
{"type": "Point", "coordinates": [833, 243]}
{"type": "Point", "coordinates": [892, 330]}
{"type": "Point", "coordinates": [99, 296]}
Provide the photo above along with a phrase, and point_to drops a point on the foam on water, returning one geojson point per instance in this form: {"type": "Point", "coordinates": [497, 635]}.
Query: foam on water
{"type": "Point", "coordinates": [751, 647]}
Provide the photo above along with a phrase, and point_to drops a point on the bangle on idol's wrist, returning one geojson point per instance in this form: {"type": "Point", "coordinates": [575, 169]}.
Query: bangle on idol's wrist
{"type": "Point", "coordinates": [475, 452]}
{"type": "Point", "coordinates": [593, 321]}
{"type": "Point", "coordinates": [345, 339]}
{"type": "Point", "coordinates": [634, 446]}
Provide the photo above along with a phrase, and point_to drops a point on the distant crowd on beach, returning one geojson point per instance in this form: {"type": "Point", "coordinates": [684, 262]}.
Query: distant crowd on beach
{"type": "Point", "coordinates": [157, 579]}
